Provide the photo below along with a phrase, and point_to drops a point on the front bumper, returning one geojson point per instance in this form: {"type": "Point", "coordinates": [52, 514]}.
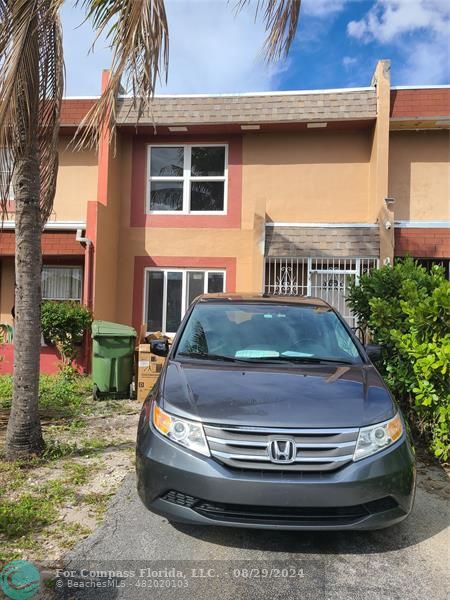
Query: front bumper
{"type": "Point", "coordinates": [373, 493]}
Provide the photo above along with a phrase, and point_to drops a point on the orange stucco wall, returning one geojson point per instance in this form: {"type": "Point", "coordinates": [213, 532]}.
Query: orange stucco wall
{"type": "Point", "coordinates": [315, 176]}
{"type": "Point", "coordinates": [76, 183]}
{"type": "Point", "coordinates": [419, 175]}
{"type": "Point", "coordinates": [118, 244]}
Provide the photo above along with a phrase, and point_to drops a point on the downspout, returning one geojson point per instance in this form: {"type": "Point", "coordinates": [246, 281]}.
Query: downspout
{"type": "Point", "coordinates": [87, 293]}
{"type": "Point", "coordinates": [87, 267]}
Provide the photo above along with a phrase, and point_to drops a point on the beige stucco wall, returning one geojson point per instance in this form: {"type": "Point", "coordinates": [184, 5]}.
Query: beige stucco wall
{"type": "Point", "coordinates": [6, 289]}
{"type": "Point", "coordinates": [76, 183]}
{"type": "Point", "coordinates": [419, 175]}
{"type": "Point", "coordinates": [316, 176]}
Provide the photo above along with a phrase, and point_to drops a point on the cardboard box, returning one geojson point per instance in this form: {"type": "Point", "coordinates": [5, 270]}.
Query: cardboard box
{"type": "Point", "coordinates": [149, 367]}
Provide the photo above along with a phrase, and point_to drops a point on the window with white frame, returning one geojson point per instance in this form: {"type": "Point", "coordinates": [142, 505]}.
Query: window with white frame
{"type": "Point", "coordinates": [169, 292]}
{"type": "Point", "coordinates": [62, 283]}
{"type": "Point", "coordinates": [187, 179]}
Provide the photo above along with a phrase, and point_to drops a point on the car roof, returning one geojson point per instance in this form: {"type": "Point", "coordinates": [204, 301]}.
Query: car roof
{"type": "Point", "coordinates": [263, 299]}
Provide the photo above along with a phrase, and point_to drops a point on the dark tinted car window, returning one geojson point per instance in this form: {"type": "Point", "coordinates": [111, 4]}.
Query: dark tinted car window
{"type": "Point", "coordinates": [258, 331]}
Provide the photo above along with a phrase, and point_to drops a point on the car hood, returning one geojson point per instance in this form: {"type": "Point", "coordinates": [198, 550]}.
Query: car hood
{"type": "Point", "coordinates": [276, 396]}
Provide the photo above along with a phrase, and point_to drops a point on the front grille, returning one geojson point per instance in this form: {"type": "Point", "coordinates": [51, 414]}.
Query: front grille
{"type": "Point", "coordinates": [300, 515]}
{"type": "Point", "coordinates": [315, 449]}
{"type": "Point", "coordinates": [180, 499]}
{"type": "Point", "coordinates": [277, 515]}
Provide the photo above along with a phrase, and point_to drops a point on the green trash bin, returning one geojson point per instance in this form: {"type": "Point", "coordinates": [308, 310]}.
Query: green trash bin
{"type": "Point", "coordinates": [112, 359]}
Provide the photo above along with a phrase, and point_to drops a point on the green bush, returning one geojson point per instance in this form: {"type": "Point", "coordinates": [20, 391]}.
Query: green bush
{"type": "Point", "coordinates": [407, 310]}
{"type": "Point", "coordinates": [64, 324]}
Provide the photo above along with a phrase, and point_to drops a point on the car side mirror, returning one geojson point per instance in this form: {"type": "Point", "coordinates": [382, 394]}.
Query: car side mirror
{"type": "Point", "coordinates": [159, 347]}
{"type": "Point", "coordinates": [374, 351]}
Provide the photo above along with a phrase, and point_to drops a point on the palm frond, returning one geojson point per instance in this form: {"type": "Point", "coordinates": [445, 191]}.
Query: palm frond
{"type": "Point", "coordinates": [31, 71]}
{"type": "Point", "coordinates": [281, 19]}
{"type": "Point", "coordinates": [138, 33]}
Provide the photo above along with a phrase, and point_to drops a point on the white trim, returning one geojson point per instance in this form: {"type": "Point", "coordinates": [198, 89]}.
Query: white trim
{"type": "Point", "coordinates": [421, 224]}
{"type": "Point", "coordinates": [369, 225]}
{"type": "Point", "coordinates": [420, 87]}
{"type": "Point", "coordinates": [247, 94]}
{"type": "Point", "coordinates": [80, 97]}
{"type": "Point", "coordinates": [184, 271]}
{"type": "Point", "coordinates": [186, 179]}
{"type": "Point", "coordinates": [61, 225]}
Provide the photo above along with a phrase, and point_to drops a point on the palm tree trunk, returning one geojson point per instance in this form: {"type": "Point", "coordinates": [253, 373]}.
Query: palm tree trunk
{"type": "Point", "coordinates": [24, 435]}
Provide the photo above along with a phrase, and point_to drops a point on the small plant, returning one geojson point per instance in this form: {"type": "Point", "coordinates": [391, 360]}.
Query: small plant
{"type": "Point", "coordinates": [54, 450]}
{"type": "Point", "coordinates": [64, 324]}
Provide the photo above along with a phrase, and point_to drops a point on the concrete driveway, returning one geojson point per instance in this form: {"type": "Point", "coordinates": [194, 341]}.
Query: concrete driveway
{"type": "Point", "coordinates": [150, 558]}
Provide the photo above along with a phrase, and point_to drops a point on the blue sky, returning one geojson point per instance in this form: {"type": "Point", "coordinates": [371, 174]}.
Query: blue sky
{"type": "Point", "coordinates": [338, 43]}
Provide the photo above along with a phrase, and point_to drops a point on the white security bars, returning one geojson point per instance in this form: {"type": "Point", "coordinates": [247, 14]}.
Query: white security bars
{"type": "Point", "coordinates": [325, 278]}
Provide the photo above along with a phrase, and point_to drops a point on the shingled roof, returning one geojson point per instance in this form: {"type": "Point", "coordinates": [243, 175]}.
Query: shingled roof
{"type": "Point", "coordinates": [339, 105]}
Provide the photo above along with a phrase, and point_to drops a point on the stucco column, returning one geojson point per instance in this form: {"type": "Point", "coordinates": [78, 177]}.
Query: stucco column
{"type": "Point", "coordinates": [379, 210]}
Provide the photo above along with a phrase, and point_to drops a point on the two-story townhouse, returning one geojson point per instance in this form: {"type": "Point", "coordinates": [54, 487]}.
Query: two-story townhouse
{"type": "Point", "coordinates": [284, 192]}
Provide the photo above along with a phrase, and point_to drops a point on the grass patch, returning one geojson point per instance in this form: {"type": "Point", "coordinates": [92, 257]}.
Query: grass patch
{"type": "Point", "coordinates": [12, 477]}
{"type": "Point", "coordinates": [77, 474]}
{"type": "Point", "coordinates": [28, 513]}
{"type": "Point", "coordinates": [98, 501]}
{"type": "Point", "coordinates": [57, 491]}
{"type": "Point", "coordinates": [64, 394]}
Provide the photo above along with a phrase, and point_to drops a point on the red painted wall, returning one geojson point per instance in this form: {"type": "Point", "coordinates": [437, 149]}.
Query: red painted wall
{"type": "Point", "coordinates": [422, 243]}
{"type": "Point", "coordinates": [50, 360]}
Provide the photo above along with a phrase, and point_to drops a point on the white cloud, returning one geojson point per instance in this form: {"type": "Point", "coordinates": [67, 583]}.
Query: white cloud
{"type": "Point", "coordinates": [427, 63]}
{"type": "Point", "coordinates": [214, 50]}
{"type": "Point", "coordinates": [349, 61]}
{"type": "Point", "coordinates": [211, 50]}
{"type": "Point", "coordinates": [388, 19]}
{"type": "Point", "coordinates": [419, 29]}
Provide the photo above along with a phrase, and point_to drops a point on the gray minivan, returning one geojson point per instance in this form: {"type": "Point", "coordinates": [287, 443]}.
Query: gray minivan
{"type": "Point", "coordinates": [269, 413]}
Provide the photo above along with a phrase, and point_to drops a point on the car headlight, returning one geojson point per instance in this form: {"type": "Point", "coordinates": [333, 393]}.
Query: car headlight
{"type": "Point", "coordinates": [377, 437]}
{"type": "Point", "coordinates": [186, 433]}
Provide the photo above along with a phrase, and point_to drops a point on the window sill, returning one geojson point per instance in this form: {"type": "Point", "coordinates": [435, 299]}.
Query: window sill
{"type": "Point", "coordinates": [196, 213]}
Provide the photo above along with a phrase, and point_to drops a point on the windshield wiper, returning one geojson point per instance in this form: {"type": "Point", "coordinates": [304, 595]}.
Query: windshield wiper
{"type": "Point", "coordinates": [310, 359]}
{"type": "Point", "coordinates": [206, 356]}
{"type": "Point", "coordinates": [263, 360]}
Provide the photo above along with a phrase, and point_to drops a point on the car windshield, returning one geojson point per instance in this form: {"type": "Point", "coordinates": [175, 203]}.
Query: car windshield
{"type": "Point", "coordinates": [266, 332]}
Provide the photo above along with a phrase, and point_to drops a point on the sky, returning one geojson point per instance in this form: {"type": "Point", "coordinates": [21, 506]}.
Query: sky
{"type": "Point", "coordinates": [338, 42]}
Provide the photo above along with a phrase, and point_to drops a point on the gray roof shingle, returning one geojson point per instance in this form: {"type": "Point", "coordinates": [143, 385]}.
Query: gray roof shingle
{"type": "Point", "coordinates": [267, 108]}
